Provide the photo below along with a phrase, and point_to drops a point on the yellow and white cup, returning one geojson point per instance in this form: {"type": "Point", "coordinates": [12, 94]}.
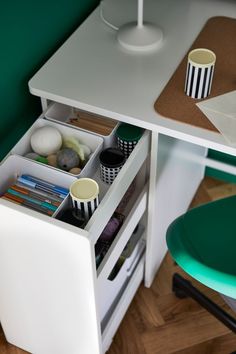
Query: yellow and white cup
{"type": "Point", "coordinates": [84, 194]}
{"type": "Point", "coordinates": [200, 70]}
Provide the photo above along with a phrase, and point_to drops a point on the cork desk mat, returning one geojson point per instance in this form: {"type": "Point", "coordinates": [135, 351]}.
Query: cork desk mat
{"type": "Point", "coordinates": [218, 35]}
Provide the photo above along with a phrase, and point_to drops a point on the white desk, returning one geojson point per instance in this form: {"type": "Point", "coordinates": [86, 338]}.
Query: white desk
{"type": "Point", "coordinates": [91, 72]}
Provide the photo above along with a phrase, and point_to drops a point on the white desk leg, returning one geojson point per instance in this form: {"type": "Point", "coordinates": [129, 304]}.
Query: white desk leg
{"type": "Point", "coordinates": [151, 212]}
{"type": "Point", "coordinates": [44, 103]}
{"type": "Point", "coordinates": [176, 170]}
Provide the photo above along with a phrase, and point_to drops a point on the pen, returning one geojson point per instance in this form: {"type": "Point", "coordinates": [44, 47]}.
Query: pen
{"type": "Point", "coordinates": [35, 195]}
{"type": "Point", "coordinates": [43, 183]}
{"type": "Point", "coordinates": [40, 187]}
{"type": "Point", "coordinates": [26, 204]}
{"type": "Point", "coordinates": [54, 197]}
{"type": "Point", "coordinates": [32, 200]}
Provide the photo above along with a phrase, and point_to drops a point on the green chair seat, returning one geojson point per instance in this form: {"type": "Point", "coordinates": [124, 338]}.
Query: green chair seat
{"type": "Point", "coordinates": [203, 243]}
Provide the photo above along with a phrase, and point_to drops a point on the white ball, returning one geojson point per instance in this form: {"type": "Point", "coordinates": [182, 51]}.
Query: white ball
{"type": "Point", "coordinates": [46, 140]}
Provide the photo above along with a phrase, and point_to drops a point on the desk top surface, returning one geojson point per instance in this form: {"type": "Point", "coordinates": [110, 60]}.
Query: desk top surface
{"type": "Point", "coordinates": [92, 72]}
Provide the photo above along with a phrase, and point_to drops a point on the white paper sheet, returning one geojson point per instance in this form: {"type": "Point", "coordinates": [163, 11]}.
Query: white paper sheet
{"type": "Point", "coordinates": [221, 111]}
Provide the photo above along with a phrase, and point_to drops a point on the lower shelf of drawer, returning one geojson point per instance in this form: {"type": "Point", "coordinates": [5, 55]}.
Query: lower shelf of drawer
{"type": "Point", "coordinates": [110, 288]}
{"type": "Point", "coordinates": [110, 327]}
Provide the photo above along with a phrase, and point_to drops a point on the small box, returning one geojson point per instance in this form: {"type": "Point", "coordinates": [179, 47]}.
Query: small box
{"type": "Point", "coordinates": [14, 166]}
{"type": "Point", "coordinates": [95, 143]}
{"type": "Point", "coordinates": [80, 119]}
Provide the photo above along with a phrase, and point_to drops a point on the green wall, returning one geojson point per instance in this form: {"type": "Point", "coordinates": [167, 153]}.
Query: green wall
{"type": "Point", "coordinates": [30, 32]}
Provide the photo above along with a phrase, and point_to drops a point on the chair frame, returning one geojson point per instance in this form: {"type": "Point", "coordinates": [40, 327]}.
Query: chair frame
{"type": "Point", "coordinates": [183, 288]}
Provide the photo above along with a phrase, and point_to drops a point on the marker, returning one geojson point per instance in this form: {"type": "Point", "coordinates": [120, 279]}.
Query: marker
{"type": "Point", "coordinates": [35, 195]}
{"type": "Point", "coordinates": [54, 197]}
{"type": "Point", "coordinates": [40, 187]}
{"type": "Point", "coordinates": [32, 200]}
{"type": "Point", "coordinates": [43, 183]}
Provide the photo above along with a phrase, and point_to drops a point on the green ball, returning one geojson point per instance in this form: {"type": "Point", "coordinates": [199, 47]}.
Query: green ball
{"type": "Point", "coordinates": [67, 159]}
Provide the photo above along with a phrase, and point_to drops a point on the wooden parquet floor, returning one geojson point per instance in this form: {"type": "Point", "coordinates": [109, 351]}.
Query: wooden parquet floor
{"type": "Point", "coordinates": [159, 323]}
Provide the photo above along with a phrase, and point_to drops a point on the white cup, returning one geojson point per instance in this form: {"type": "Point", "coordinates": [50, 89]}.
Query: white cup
{"type": "Point", "coordinates": [85, 196]}
{"type": "Point", "coordinates": [200, 69]}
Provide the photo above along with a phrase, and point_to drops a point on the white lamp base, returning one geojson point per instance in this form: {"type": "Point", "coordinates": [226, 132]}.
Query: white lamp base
{"type": "Point", "coordinates": [144, 38]}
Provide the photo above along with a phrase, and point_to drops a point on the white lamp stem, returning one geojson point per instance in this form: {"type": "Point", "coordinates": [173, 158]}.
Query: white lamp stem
{"type": "Point", "coordinates": [139, 35]}
{"type": "Point", "coordinates": [140, 13]}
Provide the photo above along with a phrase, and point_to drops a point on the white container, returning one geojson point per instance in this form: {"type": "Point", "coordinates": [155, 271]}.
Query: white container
{"type": "Point", "coordinates": [62, 113]}
{"type": "Point", "coordinates": [109, 290]}
{"type": "Point", "coordinates": [14, 166]}
{"type": "Point", "coordinates": [95, 143]}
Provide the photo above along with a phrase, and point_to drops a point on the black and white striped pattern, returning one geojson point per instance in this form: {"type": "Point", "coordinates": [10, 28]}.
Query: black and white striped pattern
{"type": "Point", "coordinates": [86, 208]}
{"type": "Point", "coordinates": [126, 146]}
{"type": "Point", "coordinates": [108, 174]}
{"type": "Point", "coordinates": [198, 80]}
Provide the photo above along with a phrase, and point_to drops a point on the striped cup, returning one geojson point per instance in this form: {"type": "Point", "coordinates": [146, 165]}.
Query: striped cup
{"type": "Point", "coordinates": [199, 74]}
{"type": "Point", "coordinates": [84, 193]}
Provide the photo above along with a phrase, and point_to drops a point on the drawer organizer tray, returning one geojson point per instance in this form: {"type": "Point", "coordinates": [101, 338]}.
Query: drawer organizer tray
{"type": "Point", "coordinates": [14, 166]}
{"type": "Point", "coordinates": [79, 119]}
{"type": "Point", "coordinates": [95, 143]}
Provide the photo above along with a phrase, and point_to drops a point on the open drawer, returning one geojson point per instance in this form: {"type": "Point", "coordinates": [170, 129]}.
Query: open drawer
{"type": "Point", "coordinates": [48, 266]}
{"type": "Point", "coordinates": [110, 195]}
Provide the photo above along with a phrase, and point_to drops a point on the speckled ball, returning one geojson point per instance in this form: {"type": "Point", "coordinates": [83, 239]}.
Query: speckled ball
{"type": "Point", "coordinates": [67, 159]}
